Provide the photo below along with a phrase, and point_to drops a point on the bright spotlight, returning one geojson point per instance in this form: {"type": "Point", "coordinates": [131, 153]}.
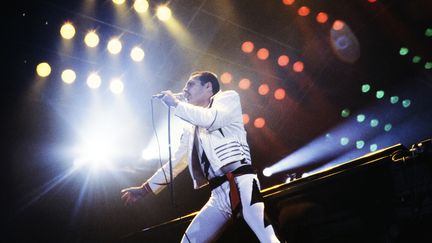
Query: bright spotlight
{"type": "Point", "coordinates": [114, 46]}
{"type": "Point", "coordinates": [91, 39]}
{"type": "Point", "coordinates": [67, 31]}
{"type": "Point", "coordinates": [43, 69]}
{"type": "Point", "coordinates": [141, 6]}
{"type": "Point", "coordinates": [137, 54]}
{"type": "Point", "coordinates": [267, 172]}
{"type": "Point", "coordinates": [95, 153]}
{"type": "Point", "coordinates": [94, 81]}
{"type": "Point", "coordinates": [68, 76]}
{"type": "Point", "coordinates": [116, 86]}
{"type": "Point", "coordinates": [163, 13]}
{"type": "Point", "coordinates": [118, 2]}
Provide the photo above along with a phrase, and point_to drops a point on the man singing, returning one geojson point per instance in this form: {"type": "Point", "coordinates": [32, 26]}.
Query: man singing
{"type": "Point", "coordinates": [215, 149]}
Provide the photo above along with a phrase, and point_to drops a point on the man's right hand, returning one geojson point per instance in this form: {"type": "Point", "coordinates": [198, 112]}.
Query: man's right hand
{"type": "Point", "coordinates": [132, 194]}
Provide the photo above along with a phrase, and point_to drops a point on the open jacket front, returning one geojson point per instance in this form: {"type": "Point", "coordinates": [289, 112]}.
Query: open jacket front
{"type": "Point", "coordinates": [221, 132]}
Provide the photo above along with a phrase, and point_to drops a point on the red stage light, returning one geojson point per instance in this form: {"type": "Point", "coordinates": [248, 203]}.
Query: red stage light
{"type": "Point", "coordinates": [247, 47]}
{"type": "Point", "coordinates": [226, 78]}
{"type": "Point", "coordinates": [259, 122]}
{"type": "Point", "coordinates": [244, 83]}
{"type": "Point", "coordinates": [279, 94]}
{"type": "Point", "coordinates": [288, 2]}
{"type": "Point", "coordinates": [263, 54]}
{"type": "Point", "coordinates": [298, 67]}
{"type": "Point", "coordinates": [263, 89]}
{"type": "Point", "coordinates": [303, 11]}
{"type": "Point", "coordinates": [321, 17]}
{"type": "Point", "coordinates": [283, 60]}
{"type": "Point", "coordinates": [246, 119]}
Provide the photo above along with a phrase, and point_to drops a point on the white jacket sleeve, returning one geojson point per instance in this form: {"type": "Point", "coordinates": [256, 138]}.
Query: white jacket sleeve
{"type": "Point", "coordinates": [223, 111]}
{"type": "Point", "coordinates": [161, 177]}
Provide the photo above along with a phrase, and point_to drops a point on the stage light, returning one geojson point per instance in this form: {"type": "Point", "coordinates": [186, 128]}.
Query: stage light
{"type": "Point", "coordinates": [267, 172]}
{"type": "Point", "coordinates": [68, 76]}
{"type": "Point", "coordinates": [259, 122]}
{"type": "Point", "coordinates": [244, 84]}
{"type": "Point", "coordinates": [118, 2]}
{"type": "Point", "coordinates": [344, 141]}
{"type": "Point", "coordinates": [246, 118]}
{"type": "Point", "coordinates": [288, 2]}
{"type": "Point", "coordinates": [91, 39]}
{"type": "Point", "coordinates": [394, 99]}
{"type": "Point", "coordinates": [338, 25]}
{"type": "Point", "coordinates": [116, 86]}
{"type": "Point", "coordinates": [67, 31]}
{"type": "Point", "coordinates": [279, 94]}
{"type": "Point", "coordinates": [387, 127]}
{"type": "Point", "coordinates": [406, 103]}
{"type": "Point", "coordinates": [263, 89]}
{"type": "Point", "coordinates": [303, 11]}
{"type": "Point", "coordinates": [43, 69]}
{"type": "Point", "coordinates": [372, 1]}
{"type": "Point", "coordinates": [141, 6]}
{"type": "Point", "coordinates": [163, 13]}
{"type": "Point", "coordinates": [345, 113]}
{"type": "Point", "coordinates": [114, 46]}
{"type": "Point", "coordinates": [428, 65]}
{"type": "Point", "coordinates": [428, 32]}
{"type": "Point", "coordinates": [137, 54]}
{"type": "Point", "coordinates": [94, 81]}
{"type": "Point", "coordinates": [379, 94]}
{"type": "Point", "coordinates": [283, 60]}
{"type": "Point", "coordinates": [416, 59]}
{"type": "Point", "coordinates": [247, 47]}
{"type": "Point", "coordinates": [263, 54]}
{"type": "Point", "coordinates": [365, 88]}
{"type": "Point", "coordinates": [298, 67]}
{"type": "Point", "coordinates": [321, 17]}
{"type": "Point", "coordinates": [226, 78]}
{"type": "Point", "coordinates": [403, 51]}
{"type": "Point", "coordinates": [374, 123]}
{"type": "Point", "coordinates": [360, 144]}
{"type": "Point", "coordinates": [373, 147]}
{"type": "Point", "coordinates": [361, 118]}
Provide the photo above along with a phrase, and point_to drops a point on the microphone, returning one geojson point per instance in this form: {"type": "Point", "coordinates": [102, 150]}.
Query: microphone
{"type": "Point", "coordinates": [179, 96]}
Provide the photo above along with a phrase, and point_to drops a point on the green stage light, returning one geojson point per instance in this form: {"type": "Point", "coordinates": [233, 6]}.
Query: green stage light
{"type": "Point", "coordinates": [374, 122]}
{"type": "Point", "coordinates": [416, 59]}
{"type": "Point", "coordinates": [361, 118]}
{"type": "Point", "coordinates": [344, 141]}
{"type": "Point", "coordinates": [360, 144]}
{"type": "Point", "coordinates": [387, 127]}
{"type": "Point", "coordinates": [394, 99]}
{"type": "Point", "coordinates": [406, 103]}
{"type": "Point", "coordinates": [428, 32]}
{"type": "Point", "coordinates": [365, 88]}
{"type": "Point", "coordinates": [380, 94]}
{"type": "Point", "coordinates": [345, 113]}
{"type": "Point", "coordinates": [403, 51]}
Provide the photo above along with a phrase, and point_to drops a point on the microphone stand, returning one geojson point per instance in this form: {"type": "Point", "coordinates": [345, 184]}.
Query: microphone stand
{"type": "Point", "coordinates": [171, 185]}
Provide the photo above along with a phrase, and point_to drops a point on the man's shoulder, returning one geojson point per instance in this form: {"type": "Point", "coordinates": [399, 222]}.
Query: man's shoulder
{"type": "Point", "coordinates": [226, 93]}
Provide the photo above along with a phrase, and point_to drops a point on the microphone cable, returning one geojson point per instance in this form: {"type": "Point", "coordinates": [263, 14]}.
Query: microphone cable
{"type": "Point", "coordinates": [158, 144]}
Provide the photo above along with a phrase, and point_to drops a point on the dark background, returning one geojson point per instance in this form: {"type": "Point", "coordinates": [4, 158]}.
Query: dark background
{"type": "Point", "coordinates": [42, 202]}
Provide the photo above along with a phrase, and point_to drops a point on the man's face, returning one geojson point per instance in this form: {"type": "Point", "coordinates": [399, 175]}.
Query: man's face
{"type": "Point", "coordinates": [197, 94]}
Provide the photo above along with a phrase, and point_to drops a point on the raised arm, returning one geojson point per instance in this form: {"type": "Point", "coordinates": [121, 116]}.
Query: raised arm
{"type": "Point", "coordinates": [225, 109]}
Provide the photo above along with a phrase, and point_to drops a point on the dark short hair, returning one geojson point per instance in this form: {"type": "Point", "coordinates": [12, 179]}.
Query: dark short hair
{"type": "Point", "coordinates": [205, 77]}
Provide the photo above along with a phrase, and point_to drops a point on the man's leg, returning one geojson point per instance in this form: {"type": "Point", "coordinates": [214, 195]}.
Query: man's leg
{"type": "Point", "coordinates": [253, 208]}
{"type": "Point", "coordinates": [209, 222]}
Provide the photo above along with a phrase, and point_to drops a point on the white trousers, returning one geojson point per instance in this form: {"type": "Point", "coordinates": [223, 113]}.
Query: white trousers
{"type": "Point", "coordinates": [210, 222]}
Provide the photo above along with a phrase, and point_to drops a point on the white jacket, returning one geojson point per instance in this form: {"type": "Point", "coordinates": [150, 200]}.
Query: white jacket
{"type": "Point", "coordinates": [222, 135]}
